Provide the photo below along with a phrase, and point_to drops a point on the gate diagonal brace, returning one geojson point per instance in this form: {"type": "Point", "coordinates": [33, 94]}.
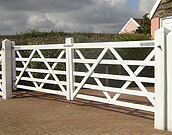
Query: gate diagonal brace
{"type": "Point", "coordinates": [90, 72]}
{"type": "Point", "coordinates": [51, 70]}
{"type": "Point", "coordinates": [29, 73]}
{"type": "Point", "coordinates": [25, 66]}
{"type": "Point", "coordinates": [137, 71]}
{"type": "Point", "coordinates": [96, 79]}
{"type": "Point", "coordinates": [53, 67]}
{"type": "Point", "coordinates": [130, 72]}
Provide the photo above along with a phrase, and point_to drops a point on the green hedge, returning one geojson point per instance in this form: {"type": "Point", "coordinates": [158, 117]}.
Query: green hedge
{"type": "Point", "coordinates": [35, 37]}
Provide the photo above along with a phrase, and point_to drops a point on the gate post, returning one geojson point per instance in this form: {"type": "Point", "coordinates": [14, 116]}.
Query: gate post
{"type": "Point", "coordinates": [7, 68]}
{"type": "Point", "coordinates": [13, 66]}
{"type": "Point", "coordinates": [169, 81]}
{"type": "Point", "coordinates": [160, 79]}
{"type": "Point", "coordinates": [69, 67]}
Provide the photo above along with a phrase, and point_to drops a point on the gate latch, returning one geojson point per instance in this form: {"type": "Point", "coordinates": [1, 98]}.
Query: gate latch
{"type": "Point", "coordinates": [147, 44]}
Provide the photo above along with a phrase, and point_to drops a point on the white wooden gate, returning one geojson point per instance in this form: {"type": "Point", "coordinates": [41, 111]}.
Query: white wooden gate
{"type": "Point", "coordinates": [37, 71]}
{"type": "Point", "coordinates": [111, 94]}
{"type": "Point", "coordinates": [34, 78]}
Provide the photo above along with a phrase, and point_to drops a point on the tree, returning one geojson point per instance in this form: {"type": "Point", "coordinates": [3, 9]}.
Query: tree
{"type": "Point", "coordinates": [145, 27]}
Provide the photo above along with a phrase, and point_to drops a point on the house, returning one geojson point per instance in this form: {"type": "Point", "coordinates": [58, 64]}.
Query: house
{"type": "Point", "coordinates": [161, 15]}
{"type": "Point", "coordinates": [131, 26]}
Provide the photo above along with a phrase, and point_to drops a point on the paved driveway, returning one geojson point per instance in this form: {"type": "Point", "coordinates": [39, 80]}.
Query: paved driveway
{"type": "Point", "coordinates": [33, 113]}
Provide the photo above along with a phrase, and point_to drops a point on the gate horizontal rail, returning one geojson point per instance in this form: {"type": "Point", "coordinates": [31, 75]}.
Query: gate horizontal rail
{"type": "Point", "coordinates": [126, 44]}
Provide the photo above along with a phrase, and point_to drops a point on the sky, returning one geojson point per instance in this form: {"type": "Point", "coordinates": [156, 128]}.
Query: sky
{"type": "Point", "coordinates": [108, 16]}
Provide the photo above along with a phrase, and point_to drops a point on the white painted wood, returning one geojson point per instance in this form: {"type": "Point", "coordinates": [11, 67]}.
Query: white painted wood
{"type": "Point", "coordinates": [116, 77]}
{"type": "Point", "coordinates": [140, 63]}
{"type": "Point", "coordinates": [112, 62]}
{"type": "Point", "coordinates": [41, 47]}
{"type": "Point", "coordinates": [52, 72]}
{"type": "Point", "coordinates": [41, 81]}
{"type": "Point", "coordinates": [148, 58]}
{"type": "Point", "coordinates": [160, 79]}
{"type": "Point", "coordinates": [138, 70]}
{"type": "Point", "coordinates": [124, 44]}
{"type": "Point", "coordinates": [167, 22]}
{"type": "Point", "coordinates": [60, 72]}
{"type": "Point", "coordinates": [90, 71]}
{"type": "Point", "coordinates": [6, 69]}
{"type": "Point", "coordinates": [69, 46]}
{"type": "Point", "coordinates": [169, 81]}
{"type": "Point", "coordinates": [119, 103]}
{"type": "Point", "coordinates": [29, 73]}
{"type": "Point", "coordinates": [115, 90]}
{"type": "Point", "coordinates": [95, 78]}
{"type": "Point", "coordinates": [41, 60]}
{"type": "Point", "coordinates": [41, 90]}
{"type": "Point", "coordinates": [69, 42]}
{"type": "Point", "coordinates": [130, 72]}
{"type": "Point", "coordinates": [53, 67]}
{"type": "Point", "coordinates": [69, 68]}
{"type": "Point", "coordinates": [150, 94]}
{"type": "Point", "coordinates": [13, 66]}
{"type": "Point", "coordinates": [25, 66]}
{"type": "Point", "coordinates": [39, 71]}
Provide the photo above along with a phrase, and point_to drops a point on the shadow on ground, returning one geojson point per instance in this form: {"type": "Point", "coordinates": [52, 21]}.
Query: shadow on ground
{"type": "Point", "coordinates": [80, 102]}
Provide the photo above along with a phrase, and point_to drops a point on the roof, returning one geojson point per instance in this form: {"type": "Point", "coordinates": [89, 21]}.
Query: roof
{"type": "Point", "coordinates": [161, 8]}
{"type": "Point", "coordinates": [154, 8]}
{"type": "Point", "coordinates": [137, 21]}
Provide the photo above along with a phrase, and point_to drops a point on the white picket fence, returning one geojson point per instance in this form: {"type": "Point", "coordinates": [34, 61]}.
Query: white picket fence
{"type": "Point", "coordinates": [36, 68]}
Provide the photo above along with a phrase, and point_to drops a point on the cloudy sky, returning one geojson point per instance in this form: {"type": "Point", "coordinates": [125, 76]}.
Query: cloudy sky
{"type": "Point", "coordinates": [69, 15]}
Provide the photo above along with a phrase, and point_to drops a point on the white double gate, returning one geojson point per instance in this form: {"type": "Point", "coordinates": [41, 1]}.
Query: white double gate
{"type": "Point", "coordinates": [73, 71]}
{"type": "Point", "coordinates": [35, 78]}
